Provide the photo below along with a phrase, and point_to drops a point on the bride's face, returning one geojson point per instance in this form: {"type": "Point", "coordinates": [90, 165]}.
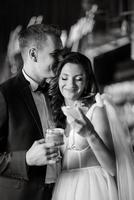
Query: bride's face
{"type": "Point", "coordinates": [72, 81]}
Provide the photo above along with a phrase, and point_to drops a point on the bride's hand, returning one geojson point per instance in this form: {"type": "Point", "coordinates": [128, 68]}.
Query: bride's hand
{"type": "Point", "coordinates": [83, 125]}
{"type": "Point", "coordinates": [78, 121]}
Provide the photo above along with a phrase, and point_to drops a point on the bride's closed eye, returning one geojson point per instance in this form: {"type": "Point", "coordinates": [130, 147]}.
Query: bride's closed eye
{"type": "Point", "coordinates": [63, 78]}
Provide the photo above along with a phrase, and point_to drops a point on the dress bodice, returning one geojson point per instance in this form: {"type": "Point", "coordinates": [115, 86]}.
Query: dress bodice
{"type": "Point", "coordinates": [77, 152]}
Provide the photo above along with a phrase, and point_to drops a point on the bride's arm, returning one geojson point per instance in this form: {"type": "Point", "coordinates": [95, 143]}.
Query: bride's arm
{"type": "Point", "coordinates": [101, 125]}
{"type": "Point", "coordinates": [100, 140]}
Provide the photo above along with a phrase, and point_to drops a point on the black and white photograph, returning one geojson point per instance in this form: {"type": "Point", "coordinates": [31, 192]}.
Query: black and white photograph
{"type": "Point", "coordinates": [67, 100]}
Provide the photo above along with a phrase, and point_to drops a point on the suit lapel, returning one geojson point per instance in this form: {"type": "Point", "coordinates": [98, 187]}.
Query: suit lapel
{"type": "Point", "coordinates": [27, 97]}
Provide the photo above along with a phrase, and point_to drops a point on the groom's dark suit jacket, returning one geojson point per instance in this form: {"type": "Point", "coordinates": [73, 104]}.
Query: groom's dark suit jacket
{"type": "Point", "coordinates": [20, 126]}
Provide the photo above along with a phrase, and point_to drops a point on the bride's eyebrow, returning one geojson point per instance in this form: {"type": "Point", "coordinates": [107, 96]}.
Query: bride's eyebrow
{"type": "Point", "coordinates": [80, 74]}
{"type": "Point", "coordinates": [68, 74]}
{"type": "Point", "coordinates": [64, 74]}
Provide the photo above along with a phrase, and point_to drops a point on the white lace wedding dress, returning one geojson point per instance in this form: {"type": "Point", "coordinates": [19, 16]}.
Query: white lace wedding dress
{"type": "Point", "coordinates": [82, 177]}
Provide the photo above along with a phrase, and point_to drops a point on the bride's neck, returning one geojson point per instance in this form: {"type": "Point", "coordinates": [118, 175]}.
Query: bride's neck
{"type": "Point", "coordinates": [69, 102]}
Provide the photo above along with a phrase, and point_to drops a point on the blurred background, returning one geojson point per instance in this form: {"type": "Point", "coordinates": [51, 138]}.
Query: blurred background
{"type": "Point", "coordinates": [108, 40]}
{"type": "Point", "coordinates": [103, 30]}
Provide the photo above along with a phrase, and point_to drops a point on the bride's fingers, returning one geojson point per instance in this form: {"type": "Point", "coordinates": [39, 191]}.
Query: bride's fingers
{"type": "Point", "coordinates": [82, 116]}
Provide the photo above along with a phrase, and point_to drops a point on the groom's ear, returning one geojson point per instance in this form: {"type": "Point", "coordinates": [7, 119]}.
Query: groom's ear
{"type": "Point", "coordinates": [33, 53]}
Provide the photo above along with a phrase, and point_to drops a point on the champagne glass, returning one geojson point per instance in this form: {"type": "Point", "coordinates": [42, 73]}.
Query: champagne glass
{"type": "Point", "coordinates": [55, 135]}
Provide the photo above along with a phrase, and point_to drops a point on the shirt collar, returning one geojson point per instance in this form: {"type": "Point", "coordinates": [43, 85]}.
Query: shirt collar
{"type": "Point", "coordinates": [33, 83]}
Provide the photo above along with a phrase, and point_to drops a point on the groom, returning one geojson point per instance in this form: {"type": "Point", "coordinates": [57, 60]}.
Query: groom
{"type": "Point", "coordinates": [26, 162]}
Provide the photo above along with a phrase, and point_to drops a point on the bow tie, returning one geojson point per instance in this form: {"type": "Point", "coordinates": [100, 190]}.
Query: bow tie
{"type": "Point", "coordinates": [42, 87]}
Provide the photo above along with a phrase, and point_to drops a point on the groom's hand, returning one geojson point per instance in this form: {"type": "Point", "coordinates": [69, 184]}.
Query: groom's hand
{"type": "Point", "coordinates": [42, 153]}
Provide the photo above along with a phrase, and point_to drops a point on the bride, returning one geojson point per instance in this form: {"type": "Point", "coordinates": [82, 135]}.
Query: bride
{"type": "Point", "coordinates": [97, 159]}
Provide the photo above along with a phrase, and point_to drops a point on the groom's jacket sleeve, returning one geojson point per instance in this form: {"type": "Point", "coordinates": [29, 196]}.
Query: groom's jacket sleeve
{"type": "Point", "coordinates": [12, 163]}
